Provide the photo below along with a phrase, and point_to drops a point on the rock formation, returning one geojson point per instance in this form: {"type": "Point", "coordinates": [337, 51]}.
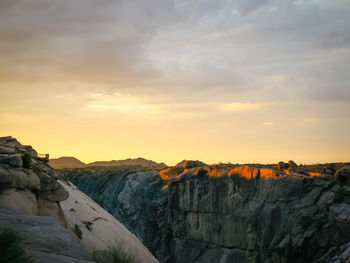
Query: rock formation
{"type": "Point", "coordinates": [99, 229]}
{"type": "Point", "coordinates": [133, 196]}
{"type": "Point", "coordinates": [44, 238]}
{"type": "Point", "coordinates": [229, 213]}
{"type": "Point", "coordinates": [27, 184]}
{"type": "Point", "coordinates": [32, 199]}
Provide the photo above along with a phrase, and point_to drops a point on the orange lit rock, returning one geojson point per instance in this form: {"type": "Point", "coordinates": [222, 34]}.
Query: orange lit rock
{"type": "Point", "coordinates": [216, 172]}
{"type": "Point", "coordinates": [313, 174]}
{"type": "Point", "coordinates": [268, 173]}
{"type": "Point", "coordinates": [171, 172]}
{"type": "Point", "coordinates": [245, 172]}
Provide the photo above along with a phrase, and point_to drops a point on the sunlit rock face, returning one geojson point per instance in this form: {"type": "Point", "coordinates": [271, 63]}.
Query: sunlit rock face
{"type": "Point", "coordinates": [228, 213]}
{"type": "Point", "coordinates": [258, 215]}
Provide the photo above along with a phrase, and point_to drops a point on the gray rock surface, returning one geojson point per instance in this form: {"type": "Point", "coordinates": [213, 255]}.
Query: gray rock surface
{"type": "Point", "coordinates": [28, 184]}
{"type": "Point", "coordinates": [44, 238]}
{"type": "Point", "coordinates": [237, 214]}
{"type": "Point", "coordinates": [134, 197]}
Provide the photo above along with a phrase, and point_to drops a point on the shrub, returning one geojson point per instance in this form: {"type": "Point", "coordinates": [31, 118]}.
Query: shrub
{"type": "Point", "coordinates": [88, 225]}
{"type": "Point", "coordinates": [78, 232]}
{"type": "Point", "coordinates": [10, 248]}
{"type": "Point", "coordinates": [115, 254]}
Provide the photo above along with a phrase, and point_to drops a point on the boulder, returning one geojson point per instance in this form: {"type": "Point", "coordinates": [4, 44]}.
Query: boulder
{"type": "Point", "coordinates": [23, 201]}
{"type": "Point", "coordinates": [19, 178]}
{"type": "Point", "coordinates": [56, 195]}
{"type": "Point", "coordinates": [343, 174]}
{"type": "Point", "coordinates": [193, 164]}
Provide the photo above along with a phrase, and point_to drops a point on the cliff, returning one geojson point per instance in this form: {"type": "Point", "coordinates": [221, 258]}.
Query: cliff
{"type": "Point", "coordinates": [28, 184]}
{"type": "Point", "coordinates": [228, 213]}
{"type": "Point", "coordinates": [56, 221]}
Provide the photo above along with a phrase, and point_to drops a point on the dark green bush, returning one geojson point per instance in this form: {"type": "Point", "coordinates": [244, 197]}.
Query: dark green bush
{"type": "Point", "coordinates": [115, 254]}
{"type": "Point", "coordinates": [78, 232]}
{"type": "Point", "coordinates": [88, 225]}
{"type": "Point", "coordinates": [10, 248]}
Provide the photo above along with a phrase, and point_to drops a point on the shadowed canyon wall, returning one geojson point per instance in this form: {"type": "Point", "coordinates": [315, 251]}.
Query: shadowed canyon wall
{"type": "Point", "coordinates": [227, 214]}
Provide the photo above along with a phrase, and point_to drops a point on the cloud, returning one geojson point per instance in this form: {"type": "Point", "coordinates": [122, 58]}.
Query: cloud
{"type": "Point", "coordinates": [237, 106]}
{"type": "Point", "coordinates": [218, 51]}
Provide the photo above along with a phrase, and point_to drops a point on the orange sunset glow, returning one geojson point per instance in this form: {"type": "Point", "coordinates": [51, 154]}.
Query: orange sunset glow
{"type": "Point", "coordinates": [216, 81]}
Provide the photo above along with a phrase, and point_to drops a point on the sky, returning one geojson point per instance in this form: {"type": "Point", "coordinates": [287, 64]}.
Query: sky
{"type": "Point", "coordinates": [237, 81]}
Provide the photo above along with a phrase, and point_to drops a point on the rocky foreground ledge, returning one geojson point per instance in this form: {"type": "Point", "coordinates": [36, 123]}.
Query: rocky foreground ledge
{"type": "Point", "coordinates": [56, 221]}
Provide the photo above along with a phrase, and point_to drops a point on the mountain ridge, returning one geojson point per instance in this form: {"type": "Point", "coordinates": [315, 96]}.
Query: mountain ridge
{"type": "Point", "coordinates": [69, 162]}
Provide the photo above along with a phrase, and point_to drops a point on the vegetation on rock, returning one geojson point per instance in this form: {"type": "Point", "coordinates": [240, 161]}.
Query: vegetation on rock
{"type": "Point", "coordinates": [115, 254]}
{"type": "Point", "coordinates": [10, 248]}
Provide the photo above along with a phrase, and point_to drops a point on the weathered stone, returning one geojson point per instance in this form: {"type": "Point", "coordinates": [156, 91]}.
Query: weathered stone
{"type": "Point", "coordinates": [23, 201]}
{"type": "Point", "coordinates": [16, 160]}
{"type": "Point", "coordinates": [49, 208]}
{"type": "Point", "coordinates": [326, 198]}
{"type": "Point", "coordinates": [4, 158]}
{"type": "Point", "coordinates": [7, 150]}
{"type": "Point", "coordinates": [19, 178]}
{"type": "Point", "coordinates": [57, 195]}
{"type": "Point", "coordinates": [32, 180]}
{"type": "Point", "coordinates": [343, 174]}
{"type": "Point", "coordinates": [193, 164]}
{"type": "Point", "coordinates": [44, 238]}
{"type": "Point", "coordinates": [5, 177]}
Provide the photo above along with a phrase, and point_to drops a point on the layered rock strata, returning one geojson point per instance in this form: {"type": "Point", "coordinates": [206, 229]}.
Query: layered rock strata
{"type": "Point", "coordinates": [28, 184]}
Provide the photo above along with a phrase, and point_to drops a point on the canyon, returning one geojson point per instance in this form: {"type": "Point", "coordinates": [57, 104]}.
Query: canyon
{"type": "Point", "coordinates": [195, 212]}
{"type": "Point", "coordinates": [55, 222]}
{"type": "Point", "coordinates": [191, 212]}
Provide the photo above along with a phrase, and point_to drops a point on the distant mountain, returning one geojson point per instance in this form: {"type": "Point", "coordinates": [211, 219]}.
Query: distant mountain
{"type": "Point", "coordinates": [66, 162]}
{"type": "Point", "coordinates": [138, 161]}
{"type": "Point", "coordinates": [72, 162]}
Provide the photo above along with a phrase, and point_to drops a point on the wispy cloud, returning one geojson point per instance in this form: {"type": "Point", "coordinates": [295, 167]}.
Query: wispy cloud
{"type": "Point", "coordinates": [238, 106]}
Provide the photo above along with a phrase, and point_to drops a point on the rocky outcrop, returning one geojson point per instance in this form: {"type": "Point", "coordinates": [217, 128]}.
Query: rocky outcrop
{"type": "Point", "coordinates": [134, 197]}
{"type": "Point", "coordinates": [258, 215]}
{"type": "Point", "coordinates": [228, 213]}
{"type": "Point", "coordinates": [27, 184]}
{"type": "Point", "coordinates": [99, 229]}
{"type": "Point", "coordinates": [44, 238]}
